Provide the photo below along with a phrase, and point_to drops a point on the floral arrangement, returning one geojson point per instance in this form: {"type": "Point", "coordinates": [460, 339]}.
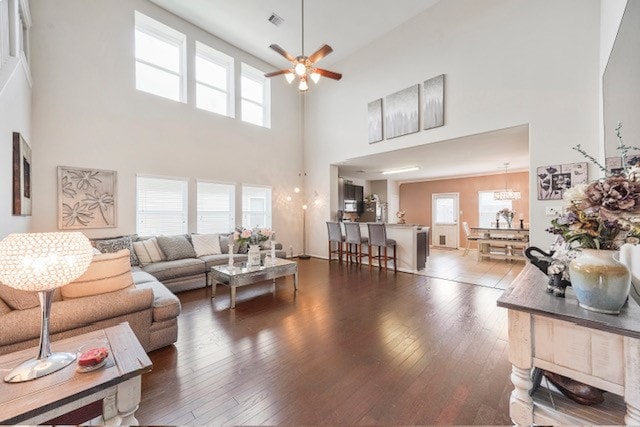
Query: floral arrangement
{"type": "Point", "coordinates": [507, 214]}
{"type": "Point", "coordinates": [605, 213]}
{"type": "Point", "coordinates": [253, 236]}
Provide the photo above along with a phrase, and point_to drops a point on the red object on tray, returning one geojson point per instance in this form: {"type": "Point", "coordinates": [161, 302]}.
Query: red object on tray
{"type": "Point", "coordinates": [93, 356]}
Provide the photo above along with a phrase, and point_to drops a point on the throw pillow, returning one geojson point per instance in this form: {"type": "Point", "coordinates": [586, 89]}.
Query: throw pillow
{"type": "Point", "coordinates": [224, 244]}
{"type": "Point", "coordinates": [148, 251]}
{"type": "Point", "coordinates": [206, 244]}
{"type": "Point", "coordinates": [108, 272]}
{"type": "Point", "coordinates": [116, 244]}
{"type": "Point", "coordinates": [176, 247]}
{"type": "Point", "coordinates": [17, 299]}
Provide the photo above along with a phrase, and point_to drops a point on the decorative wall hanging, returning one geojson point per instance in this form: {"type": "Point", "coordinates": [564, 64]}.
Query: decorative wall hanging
{"type": "Point", "coordinates": [401, 115]}
{"type": "Point", "coordinates": [433, 102]}
{"type": "Point", "coordinates": [375, 120]}
{"type": "Point", "coordinates": [553, 180]}
{"type": "Point", "coordinates": [21, 176]}
{"type": "Point", "coordinates": [86, 198]}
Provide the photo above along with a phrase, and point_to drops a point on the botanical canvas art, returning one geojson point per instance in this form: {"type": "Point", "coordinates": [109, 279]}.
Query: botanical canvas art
{"type": "Point", "coordinates": [434, 102]}
{"type": "Point", "coordinates": [554, 180]}
{"type": "Point", "coordinates": [86, 198]}
{"type": "Point", "coordinates": [375, 120]}
{"type": "Point", "coordinates": [401, 112]}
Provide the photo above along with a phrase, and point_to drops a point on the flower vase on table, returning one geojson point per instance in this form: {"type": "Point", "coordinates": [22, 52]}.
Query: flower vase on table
{"type": "Point", "coordinates": [600, 281]}
{"type": "Point", "coordinates": [253, 256]}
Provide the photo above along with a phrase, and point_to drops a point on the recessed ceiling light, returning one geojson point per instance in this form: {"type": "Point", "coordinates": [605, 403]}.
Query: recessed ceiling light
{"type": "Point", "coordinates": [411, 169]}
{"type": "Point", "coordinates": [276, 20]}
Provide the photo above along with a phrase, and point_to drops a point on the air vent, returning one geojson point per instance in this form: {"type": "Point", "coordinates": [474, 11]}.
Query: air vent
{"type": "Point", "coordinates": [275, 20]}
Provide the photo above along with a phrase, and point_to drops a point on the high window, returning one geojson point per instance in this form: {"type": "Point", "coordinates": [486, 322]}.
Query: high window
{"type": "Point", "coordinates": [161, 207]}
{"type": "Point", "coordinates": [256, 96]}
{"type": "Point", "coordinates": [488, 207]}
{"type": "Point", "coordinates": [160, 59]}
{"type": "Point", "coordinates": [256, 206]}
{"type": "Point", "coordinates": [5, 44]}
{"type": "Point", "coordinates": [214, 81]}
{"type": "Point", "coordinates": [216, 206]}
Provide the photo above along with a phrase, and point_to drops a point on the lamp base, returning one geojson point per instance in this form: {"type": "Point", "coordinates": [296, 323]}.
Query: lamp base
{"type": "Point", "coordinates": [36, 368]}
{"type": "Point", "coordinates": [304, 256]}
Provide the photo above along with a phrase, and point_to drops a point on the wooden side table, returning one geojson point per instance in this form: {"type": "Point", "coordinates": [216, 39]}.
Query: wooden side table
{"type": "Point", "coordinates": [557, 335]}
{"type": "Point", "coordinates": [117, 384]}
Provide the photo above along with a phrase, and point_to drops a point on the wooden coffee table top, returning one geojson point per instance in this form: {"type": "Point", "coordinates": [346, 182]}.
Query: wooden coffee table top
{"type": "Point", "coordinates": [23, 401]}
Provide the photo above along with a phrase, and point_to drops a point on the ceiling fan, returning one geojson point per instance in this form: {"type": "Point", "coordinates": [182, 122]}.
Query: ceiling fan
{"type": "Point", "coordinates": [303, 66]}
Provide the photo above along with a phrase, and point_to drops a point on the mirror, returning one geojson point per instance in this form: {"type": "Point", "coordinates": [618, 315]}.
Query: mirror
{"type": "Point", "coordinates": [621, 85]}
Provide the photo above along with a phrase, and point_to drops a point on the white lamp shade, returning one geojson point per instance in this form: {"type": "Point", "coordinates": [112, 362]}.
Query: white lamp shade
{"type": "Point", "coordinates": [43, 261]}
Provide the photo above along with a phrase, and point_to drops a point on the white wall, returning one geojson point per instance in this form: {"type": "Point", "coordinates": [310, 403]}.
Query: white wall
{"type": "Point", "coordinates": [507, 63]}
{"type": "Point", "coordinates": [87, 113]}
{"type": "Point", "coordinates": [15, 116]}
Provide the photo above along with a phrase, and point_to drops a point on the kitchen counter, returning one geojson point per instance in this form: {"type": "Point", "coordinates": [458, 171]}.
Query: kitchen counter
{"type": "Point", "coordinates": [411, 244]}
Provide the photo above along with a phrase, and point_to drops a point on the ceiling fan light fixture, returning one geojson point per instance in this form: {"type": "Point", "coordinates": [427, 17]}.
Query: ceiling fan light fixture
{"type": "Point", "coordinates": [290, 77]}
{"type": "Point", "coordinates": [300, 69]}
{"type": "Point", "coordinates": [303, 86]}
{"type": "Point", "coordinates": [315, 76]}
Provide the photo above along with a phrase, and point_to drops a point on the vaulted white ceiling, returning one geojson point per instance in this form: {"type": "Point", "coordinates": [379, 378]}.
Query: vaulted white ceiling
{"type": "Point", "coordinates": [347, 26]}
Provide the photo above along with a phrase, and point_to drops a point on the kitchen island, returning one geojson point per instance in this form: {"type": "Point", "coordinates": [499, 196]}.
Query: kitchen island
{"type": "Point", "coordinates": [411, 245]}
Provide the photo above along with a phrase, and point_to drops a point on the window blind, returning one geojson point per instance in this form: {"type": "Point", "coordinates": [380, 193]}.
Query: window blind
{"type": "Point", "coordinates": [161, 206]}
{"type": "Point", "coordinates": [256, 206]}
{"type": "Point", "coordinates": [215, 207]}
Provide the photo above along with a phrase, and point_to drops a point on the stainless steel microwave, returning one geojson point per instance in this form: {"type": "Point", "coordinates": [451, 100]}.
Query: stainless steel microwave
{"type": "Point", "coordinates": [350, 206]}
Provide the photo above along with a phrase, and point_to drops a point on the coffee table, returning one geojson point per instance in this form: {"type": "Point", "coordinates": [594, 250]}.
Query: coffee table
{"type": "Point", "coordinates": [241, 275]}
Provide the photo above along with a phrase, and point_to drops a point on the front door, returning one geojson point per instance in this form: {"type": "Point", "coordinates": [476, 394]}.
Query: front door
{"type": "Point", "coordinates": [444, 208]}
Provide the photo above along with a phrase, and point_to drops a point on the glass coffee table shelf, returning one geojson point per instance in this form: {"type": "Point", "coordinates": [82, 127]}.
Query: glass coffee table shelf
{"type": "Point", "coordinates": [241, 275]}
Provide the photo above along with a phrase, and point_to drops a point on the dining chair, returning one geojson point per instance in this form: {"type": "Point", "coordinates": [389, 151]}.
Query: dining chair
{"type": "Point", "coordinates": [378, 237]}
{"type": "Point", "coordinates": [335, 236]}
{"type": "Point", "coordinates": [354, 242]}
{"type": "Point", "coordinates": [470, 237]}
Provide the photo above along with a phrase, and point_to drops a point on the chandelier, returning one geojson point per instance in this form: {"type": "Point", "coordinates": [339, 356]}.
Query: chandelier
{"type": "Point", "coordinates": [506, 194]}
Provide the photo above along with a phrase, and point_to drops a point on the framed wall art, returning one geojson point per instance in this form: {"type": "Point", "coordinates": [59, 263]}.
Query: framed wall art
{"type": "Point", "coordinates": [21, 176]}
{"type": "Point", "coordinates": [401, 112]}
{"type": "Point", "coordinates": [433, 110]}
{"type": "Point", "coordinates": [554, 179]}
{"type": "Point", "coordinates": [374, 116]}
{"type": "Point", "coordinates": [86, 198]}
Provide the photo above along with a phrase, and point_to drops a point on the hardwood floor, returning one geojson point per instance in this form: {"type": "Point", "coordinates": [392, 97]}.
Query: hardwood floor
{"type": "Point", "coordinates": [350, 347]}
{"type": "Point", "coordinates": [450, 264]}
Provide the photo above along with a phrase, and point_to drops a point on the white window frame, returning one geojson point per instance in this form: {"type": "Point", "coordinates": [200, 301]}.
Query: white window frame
{"type": "Point", "coordinates": [156, 29]}
{"type": "Point", "coordinates": [249, 72]}
{"type": "Point", "coordinates": [246, 213]}
{"type": "Point", "coordinates": [185, 205]}
{"type": "Point", "coordinates": [15, 27]}
{"type": "Point", "coordinates": [231, 187]}
{"type": "Point", "coordinates": [223, 60]}
{"type": "Point", "coordinates": [503, 203]}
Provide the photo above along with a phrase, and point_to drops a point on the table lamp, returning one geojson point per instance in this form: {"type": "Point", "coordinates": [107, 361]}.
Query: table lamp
{"type": "Point", "coordinates": [42, 262]}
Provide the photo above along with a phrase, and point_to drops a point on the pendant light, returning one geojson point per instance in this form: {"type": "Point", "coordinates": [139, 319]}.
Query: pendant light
{"type": "Point", "coordinates": [506, 194]}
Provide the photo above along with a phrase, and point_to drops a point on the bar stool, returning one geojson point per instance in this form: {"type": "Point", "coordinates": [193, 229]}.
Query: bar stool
{"type": "Point", "coordinates": [335, 235]}
{"type": "Point", "coordinates": [354, 238]}
{"type": "Point", "coordinates": [378, 237]}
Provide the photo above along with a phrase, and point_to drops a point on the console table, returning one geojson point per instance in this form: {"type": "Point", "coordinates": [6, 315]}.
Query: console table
{"type": "Point", "coordinates": [557, 335]}
{"type": "Point", "coordinates": [117, 384]}
{"type": "Point", "coordinates": [502, 243]}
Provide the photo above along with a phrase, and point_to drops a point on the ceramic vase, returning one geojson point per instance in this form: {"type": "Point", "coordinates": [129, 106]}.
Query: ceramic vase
{"type": "Point", "coordinates": [601, 283]}
{"type": "Point", "coordinates": [253, 256]}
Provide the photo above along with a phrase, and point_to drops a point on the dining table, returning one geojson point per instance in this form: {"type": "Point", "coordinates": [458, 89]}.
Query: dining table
{"type": "Point", "coordinates": [502, 243]}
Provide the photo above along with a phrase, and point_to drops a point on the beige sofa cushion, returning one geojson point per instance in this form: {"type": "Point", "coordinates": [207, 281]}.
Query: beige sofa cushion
{"type": "Point", "coordinates": [148, 251]}
{"type": "Point", "coordinates": [17, 299]}
{"type": "Point", "coordinates": [107, 273]}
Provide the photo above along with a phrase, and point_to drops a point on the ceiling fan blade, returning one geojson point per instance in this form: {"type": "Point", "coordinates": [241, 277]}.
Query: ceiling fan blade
{"type": "Point", "coordinates": [329, 74]}
{"type": "Point", "coordinates": [277, 73]}
{"type": "Point", "coordinates": [320, 53]}
{"type": "Point", "coordinates": [282, 52]}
